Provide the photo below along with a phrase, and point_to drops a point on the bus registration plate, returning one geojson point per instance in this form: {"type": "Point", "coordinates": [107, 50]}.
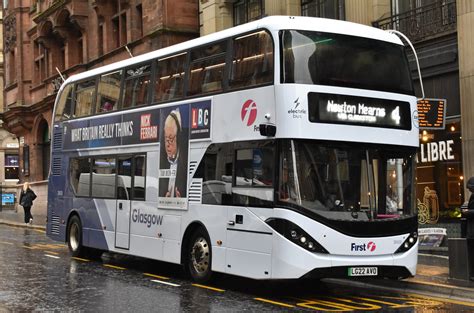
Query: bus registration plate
{"type": "Point", "coordinates": [362, 271]}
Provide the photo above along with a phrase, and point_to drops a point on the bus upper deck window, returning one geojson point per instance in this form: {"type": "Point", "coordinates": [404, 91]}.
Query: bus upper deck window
{"type": "Point", "coordinates": [108, 92]}
{"type": "Point", "coordinates": [169, 79]}
{"type": "Point", "coordinates": [137, 81]}
{"type": "Point", "coordinates": [207, 69]}
{"type": "Point", "coordinates": [252, 60]}
{"type": "Point", "coordinates": [85, 93]}
{"type": "Point", "coordinates": [64, 106]}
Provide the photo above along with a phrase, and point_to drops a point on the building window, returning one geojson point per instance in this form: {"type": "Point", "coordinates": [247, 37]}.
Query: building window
{"type": "Point", "coordinates": [248, 10]}
{"type": "Point", "coordinates": [139, 21]}
{"type": "Point", "coordinates": [100, 39]}
{"type": "Point", "coordinates": [45, 148]}
{"type": "Point", "coordinates": [119, 24]}
{"type": "Point", "coordinates": [323, 8]}
{"type": "Point", "coordinates": [11, 166]}
{"type": "Point", "coordinates": [12, 68]}
{"type": "Point", "coordinates": [26, 160]}
{"type": "Point", "coordinates": [41, 63]}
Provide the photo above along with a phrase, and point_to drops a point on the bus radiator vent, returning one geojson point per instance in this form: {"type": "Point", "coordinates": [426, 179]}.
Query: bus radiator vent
{"type": "Point", "coordinates": [192, 168]}
{"type": "Point", "coordinates": [57, 141]}
{"type": "Point", "coordinates": [55, 222]}
{"type": "Point", "coordinates": [56, 166]}
{"type": "Point", "coordinates": [195, 191]}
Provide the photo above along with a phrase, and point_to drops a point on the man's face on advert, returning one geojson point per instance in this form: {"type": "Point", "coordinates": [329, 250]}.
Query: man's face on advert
{"type": "Point", "coordinates": [170, 132]}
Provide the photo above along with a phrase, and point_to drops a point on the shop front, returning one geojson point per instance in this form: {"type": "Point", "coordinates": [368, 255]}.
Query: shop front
{"type": "Point", "coordinates": [440, 179]}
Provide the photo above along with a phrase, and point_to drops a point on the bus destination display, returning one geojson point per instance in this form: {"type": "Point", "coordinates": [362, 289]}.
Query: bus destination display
{"type": "Point", "coordinates": [431, 113]}
{"type": "Point", "coordinates": [352, 110]}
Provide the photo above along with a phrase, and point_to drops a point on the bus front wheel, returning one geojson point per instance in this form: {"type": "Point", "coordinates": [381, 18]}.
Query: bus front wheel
{"type": "Point", "coordinates": [199, 256]}
{"type": "Point", "coordinates": [75, 237]}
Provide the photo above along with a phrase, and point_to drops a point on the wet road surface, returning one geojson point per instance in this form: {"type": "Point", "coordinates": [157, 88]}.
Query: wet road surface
{"type": "Point", "coordinates": [37, 273]}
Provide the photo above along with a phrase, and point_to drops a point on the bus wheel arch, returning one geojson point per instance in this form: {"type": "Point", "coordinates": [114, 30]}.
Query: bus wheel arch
{"type": "Point", "coordinates": [196, 253]}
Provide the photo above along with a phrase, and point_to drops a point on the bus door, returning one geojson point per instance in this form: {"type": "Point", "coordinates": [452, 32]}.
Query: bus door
{"type": "Point", "coordinates": [249, 240]}
{"type": "Point", "coordinates": [124, 203]}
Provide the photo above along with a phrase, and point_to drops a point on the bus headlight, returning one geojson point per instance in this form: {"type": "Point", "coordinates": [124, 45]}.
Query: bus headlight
{"type": "Point", "coordinates": [295, 234]}
{"type": "Point", "coordinates": [408, 243]}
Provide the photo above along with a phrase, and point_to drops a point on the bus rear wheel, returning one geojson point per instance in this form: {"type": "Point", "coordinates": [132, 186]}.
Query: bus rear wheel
{"type": "Point", "coordinates": [74, 237]}
{"type": "Point", "coordinates": [199, 256]}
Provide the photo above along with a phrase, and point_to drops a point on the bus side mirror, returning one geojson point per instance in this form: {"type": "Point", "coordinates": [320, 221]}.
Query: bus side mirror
{"type": "Point", "coordinates": [267, 130]}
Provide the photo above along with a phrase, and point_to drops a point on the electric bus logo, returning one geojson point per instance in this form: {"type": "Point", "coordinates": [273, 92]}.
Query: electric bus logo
{"type": "Point", "coordinates": [364, 247]}
{"type": "Point", "coordinates": [249, 112]}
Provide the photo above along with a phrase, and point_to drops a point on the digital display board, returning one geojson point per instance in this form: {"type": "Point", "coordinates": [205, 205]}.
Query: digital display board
{"type": "Point", "coordinates": [364, 111]}
{"type": "Point", "coordinates": [431, 113]}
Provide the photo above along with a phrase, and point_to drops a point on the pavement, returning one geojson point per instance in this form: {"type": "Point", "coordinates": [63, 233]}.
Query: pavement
{"type": "Point", "coordinates": [432, 276]}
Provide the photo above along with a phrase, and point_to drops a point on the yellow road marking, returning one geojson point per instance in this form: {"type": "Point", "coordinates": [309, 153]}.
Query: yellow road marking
{"type": "Point", "coordinates": [51, 252]}
{"type": "Point", "coordinates": [275, 302]}
{"type": "Point", "coordinates": [115, 267]}
{"type": "Point", "coordinates": [80, 259]}
{"type": "Point", "coordinates": [155, 276]}
{"type": "Point", "coordinates": [28, 247]}
{"type": "Point", "coordinates": [6, 243]}
{"type": "Point", "coordinates": [470, 304]}
{"type": "Point", "coordinates": [391, 304]}
{"type": "Point", "coordinates": [357, 305]}
{"type": "Point", "coordinates": [46, 246]}
{"type": "Point", "coordinates": [40, 231]}
{"type": "Point", "coordinates": [208, 287]}
{"type": "Point", "coordinates": [322, 305]}
{"type": "Point", "coordinates": [414, 300]}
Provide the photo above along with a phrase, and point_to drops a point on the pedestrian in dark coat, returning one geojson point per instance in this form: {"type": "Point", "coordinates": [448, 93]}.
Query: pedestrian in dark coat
{"type": "Point", "coordinates": [26, 201]}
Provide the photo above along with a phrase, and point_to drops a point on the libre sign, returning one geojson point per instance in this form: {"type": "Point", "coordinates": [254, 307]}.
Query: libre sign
{"type": "Point", "coordinates": [431, 113]}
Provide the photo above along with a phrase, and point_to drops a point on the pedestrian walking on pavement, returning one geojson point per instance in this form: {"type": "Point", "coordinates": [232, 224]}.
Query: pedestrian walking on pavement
{"type": "Point", "coordinates": [26, 201]}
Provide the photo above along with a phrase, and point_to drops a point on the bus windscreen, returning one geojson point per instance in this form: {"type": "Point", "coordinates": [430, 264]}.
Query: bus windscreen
{"type": "Point", "coordinates": [352, 182]}
{"type": "Point", "coordinates": [345, 61]}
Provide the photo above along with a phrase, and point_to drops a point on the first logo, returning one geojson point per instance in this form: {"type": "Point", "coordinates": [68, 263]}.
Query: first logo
{"type": "Point", "coordinates": [249, 112]}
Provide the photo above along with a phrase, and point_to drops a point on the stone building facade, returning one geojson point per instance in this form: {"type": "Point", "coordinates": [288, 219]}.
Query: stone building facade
{"type": "Point", "coordinates": [9, 169]}
{"type": "Point", "coordinates": [48, 40]}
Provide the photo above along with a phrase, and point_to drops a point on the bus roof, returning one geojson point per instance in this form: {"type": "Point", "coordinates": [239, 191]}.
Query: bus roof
{"type": "Point", "coordinates": [272, 23]}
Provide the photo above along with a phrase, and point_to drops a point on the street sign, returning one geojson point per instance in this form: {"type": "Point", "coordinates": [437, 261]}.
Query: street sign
{"type": "Point", "coordinates": [431, 113]}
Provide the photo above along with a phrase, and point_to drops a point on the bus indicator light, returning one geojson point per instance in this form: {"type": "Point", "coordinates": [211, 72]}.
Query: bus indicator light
{"type": "Point", "coordinates": [249, 112]}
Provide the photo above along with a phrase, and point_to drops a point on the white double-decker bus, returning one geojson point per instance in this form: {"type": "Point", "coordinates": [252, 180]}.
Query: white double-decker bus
{"type": "Point", "coordinates": [279, 149]}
